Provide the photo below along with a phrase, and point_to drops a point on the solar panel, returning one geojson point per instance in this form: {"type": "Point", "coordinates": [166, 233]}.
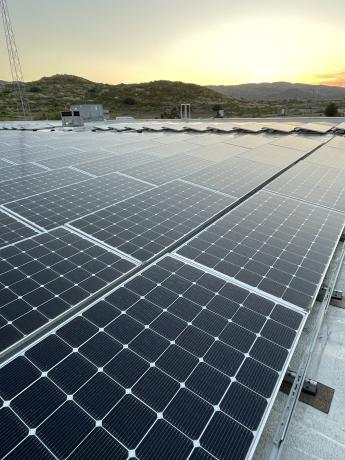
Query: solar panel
{"type": "Point", "coordinates": [46, 275]}
{"type": "Point", "coordinates": [280, 127]}
{"type": "Point", "coordinates": [12, 230]}
{"type": "Point", "coordinates": [337, 141]}
{"type": "Point", "coordinates": [115, 163]}
{"type": "Point", "coordinates": [38, 154]}
{"type": "Point", "coordinates": [314, 183]}
{"type": "Point", "coordinates": [222, 127]}
{"type": "Point", "coordinates": [136, 144]}
{"type": "Point", "coordinates": [235, 177]}
{"type": "Point", "coordinates": [218, 152]}
{"type": "Point", "coordinates": [278, 245]}
{"type": "Point", "coordinates": [164, 170]}
{"type": "Point", "coordinates": [332, 157]}
{"type": "Point", "coordinates": [52, 209]}
{"type": "Point", "coordinates": [206, 139]}
{"type": "Point", "coordinates": [249, 141]}
{"type": "Point", "coordinates": [197, 127]}
{"type": "Point", "coordinates": [174, 126]}
{"type": "Point", "coordinates": [5, 164]}
{"type": "Point", "coordinates": [170, 138]}
{"type": "Point", "coordinates": [250, 127]}
{"type": "Point", "coordinates": [341, 126]}
{"type": "Point", "coordinates": [164, 150]}
{"type": "Point", "coordinates": [145, 225]}
{"type": "Point", "coordinates": [299, 142]}
{"type": "Point", "coordinates": [73, 159]}
{"type": "Point", "coordinates": [320, 128]}
{"type": "Point", "coordinates": [16, 171]}
{"type": "Point", "coordinates": [27, 186]}
{"type": "Point", "coordinates": [274, 155]}
{"type": "Point", "coordinates": [175, 364]}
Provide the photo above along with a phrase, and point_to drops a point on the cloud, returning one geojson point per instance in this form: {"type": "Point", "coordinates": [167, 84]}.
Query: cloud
{"type": "Point", "coordinates": [331, 79]}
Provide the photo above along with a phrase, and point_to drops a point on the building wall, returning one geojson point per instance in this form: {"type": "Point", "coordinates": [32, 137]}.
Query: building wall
{"type": "Point", "coordinates": [90, 112]}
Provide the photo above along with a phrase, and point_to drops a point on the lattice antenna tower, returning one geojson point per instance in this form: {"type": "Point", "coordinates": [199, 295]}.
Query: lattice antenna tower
{"type": "Point", "coordinates": [23, 107]}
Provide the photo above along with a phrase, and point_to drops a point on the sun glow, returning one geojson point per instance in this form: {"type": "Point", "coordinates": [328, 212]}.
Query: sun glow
{"type": "Point", "coordinates": [257, 49]}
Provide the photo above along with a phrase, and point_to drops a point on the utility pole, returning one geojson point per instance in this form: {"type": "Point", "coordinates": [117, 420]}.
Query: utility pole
{"type": "Point", "coordinates": [23, 107]}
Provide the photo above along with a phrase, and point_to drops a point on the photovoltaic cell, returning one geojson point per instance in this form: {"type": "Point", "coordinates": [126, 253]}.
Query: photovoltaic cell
{"type": "Point", "coordinates": [54, 208]}
{"type": "Point", "coordinates": [276, 244]}
{"type": "Point", "coordinates": [164, 150]}
{"type": "Point", "coordinates": [39, 154]}
{"type": "Point", "coordinates": [217, 152]}
{"type": "Point", "coordinates": [46, 275]}
{"type": "Point", "coordinates": [321, 128]}
{"type": "Point", "coordinates": [333, 157]}
{"type": "Point", "coordinates": [249, 141]}
{"type": "Point", "coordinates": [27, 186]}
{"type": "Point", "coordinates": [314, 183]}
{"type": "Point", "coordinates": [274, 155]}
{"type": "Point", "coordinates": [299, 142]}
{"type": "Point", "coordinates": [164, 170]}
{"type": "Point", "coordinates": [11, 230]}
{"type": "Point", "coordinates": [16, 171]}
{"type": "Point", "coordinates": [145, 225]}
{"type": "Point", "coordinates": [133, 387]}
{"type": "Point", "coordinates": [235, 177]}
{"type": "Point", "coordinates": [73, 159]}
{"type": "Point", "coordinates": [115, 163]}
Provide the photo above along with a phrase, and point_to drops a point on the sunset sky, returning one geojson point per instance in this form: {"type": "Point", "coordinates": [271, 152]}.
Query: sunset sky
{"type": "Point", "coordinates": [218, 42]}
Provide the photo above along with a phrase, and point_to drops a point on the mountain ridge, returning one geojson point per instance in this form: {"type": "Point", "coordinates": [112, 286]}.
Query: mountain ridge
{"type": "Point", "coordinates": [279, 91]}
{"type": "Point", "coordinates": [50, 95]}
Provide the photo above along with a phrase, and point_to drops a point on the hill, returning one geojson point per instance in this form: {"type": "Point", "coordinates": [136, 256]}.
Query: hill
{"type": "Point", "coordinates": [280, 91]}
{"type": "Point", "coordinates": [49, 95]}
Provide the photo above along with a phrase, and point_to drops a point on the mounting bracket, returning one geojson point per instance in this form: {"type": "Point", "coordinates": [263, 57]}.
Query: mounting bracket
{"type": "Point", "coordinates": [309, 385]}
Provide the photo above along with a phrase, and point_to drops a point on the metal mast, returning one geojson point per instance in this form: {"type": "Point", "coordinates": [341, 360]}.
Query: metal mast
{"type": "Point", "coordinates": [23, 107]}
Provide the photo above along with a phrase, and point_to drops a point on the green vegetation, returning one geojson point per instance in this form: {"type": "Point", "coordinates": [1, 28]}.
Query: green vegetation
{"type": "Point", "coordinates": [331, 110]}
{"type": "Point", "coordinates": [159, 99]}
{"type": "Point", "coordinates": [50, 95]}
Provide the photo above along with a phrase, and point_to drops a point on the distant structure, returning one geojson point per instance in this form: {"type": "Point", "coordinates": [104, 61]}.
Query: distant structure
{"type": "Point", "coordinates": [91, 112]}
{"type": "Point", "coordinates": [71, 118]}
{"type": "Point", "coordinates": [23, 108]}
{"type": "Point", "coordinates": [186, 112]}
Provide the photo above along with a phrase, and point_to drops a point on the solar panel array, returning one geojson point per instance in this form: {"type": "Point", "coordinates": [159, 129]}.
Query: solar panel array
{"type": "Point", "coordinates": [329, 156]}
{"type": "Point", "coordinates": [51, 209]}
{"type": "Point", "coordinates": [16, 171]}
{"type": "Point", "coordinates": [278, 245]}
{"type": "Point", "coordinates": [74, 158]}
{"type": "Point", "coordinates": [167, 169]}
{"type": "Point", "coordinates": [46, 275]}
{"type": "Point", "coordinates": [11, 230]}
{"type": "Point", "coordinates": [115, 163]}
{"type": "Point", "coordinates": [315, 183]}
{"type": "Point", "coordinates": [235, 177]}
{"type": "Point", "coordinates": [16, 189]}
{"type": "Point", "coordinates": [145, 225]}
{"type": "Point", "coordinates": [176, 363]}
{"type": "Point", "coordinates": [179, 357]}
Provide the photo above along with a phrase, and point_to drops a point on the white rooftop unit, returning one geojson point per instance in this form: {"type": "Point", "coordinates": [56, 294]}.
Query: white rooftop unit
{"type": "Point", "coordinates": [71, 118]}
{"type": "Point", "coordinates": [90, 112]}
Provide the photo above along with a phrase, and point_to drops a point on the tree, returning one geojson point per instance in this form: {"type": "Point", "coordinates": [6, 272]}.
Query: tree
{"type": "Point", "coordinates": [331, 110]}
{"type": "Point", "coordinates": [35, 89]}
{"type": "Point", "coordinates": [129, 100]}
{"type": "Point", "coordinates": [217, 108]}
